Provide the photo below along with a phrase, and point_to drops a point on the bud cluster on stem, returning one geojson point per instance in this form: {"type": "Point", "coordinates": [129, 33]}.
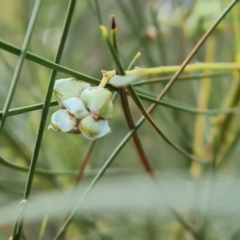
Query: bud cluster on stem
{"type": "Point", "coordinates": [84, 109]}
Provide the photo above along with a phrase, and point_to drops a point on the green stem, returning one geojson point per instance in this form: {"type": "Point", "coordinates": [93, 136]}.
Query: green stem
{"type": "Point", "coordinates": [40, 171]}
{"type": "Point", "coordinates": [134, 60]}
{"type": "Point", "coordinates": [199, 141]}
{"type": "Point", "coordinates": [226, 134]}
{"type": "Point", "coordinates": [44, 62]}
{"type": "Point", "coordinates": [46, 104]}
{"type": "Point", "coordinates": [187, 69]}
{"type": "Point", "coordinates": [20, 62]}
{"type": "Point", "coordinates": [183, 77]}
{"type": "Point", "coordinates": [20, 110]}
{"type": "Point", "coordinates": [98, 12]}
{"type": "Point", "coordinates": [46, 172]}
{"type": "Point", "coordinates": [43, 228]}
{"type": "Point", "coordinates": [185, 108]}
{"type": "Point", "coordinates": [85, 162]}
{"type": "Point", "coordinates": [126, 108]}
{"type": "Point", "coordinates": [235, 17]}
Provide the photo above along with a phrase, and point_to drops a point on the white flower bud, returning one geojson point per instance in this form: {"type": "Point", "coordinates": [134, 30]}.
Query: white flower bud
{"type": "Point", "coordinates": [76, 107]}
{"type": "Point", "coordinates": [68, 87]}
{"type": "Point", "coordinates": [98, 101]}
{"type": "Point", "coordinates": [63, 121]}
{"type": "Point", "coordinates": [93, 129]}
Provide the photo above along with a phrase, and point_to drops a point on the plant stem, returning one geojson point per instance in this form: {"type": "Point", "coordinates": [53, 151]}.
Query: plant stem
{"type": "Point", "coordinates": [49, 64]}
{"type": "Point", "coordinates": [43, 228]}
{"type": "Point", "coordinates": [183, 77]}
{"type": "Point", "coordinates": [227, 132]}
{"type": "Point", "coordinates": [189, 68]}
{"type": "Point", "coordinates": [125, 104]}
{"type": "Point", "coordinates": [98, 12]}
{"type": "Point", "coordinates": [20, 62]}
{"type": "Point", "coordinates": [85, 162]}
{"type": "Point", "coordinates": [46, 104]}
{"type": "Point", "coordinates": [199, 129]}
{"type": "Point", "coordinates": [181, 107]}
{"type": "Point", "coordinates": [20, 110]}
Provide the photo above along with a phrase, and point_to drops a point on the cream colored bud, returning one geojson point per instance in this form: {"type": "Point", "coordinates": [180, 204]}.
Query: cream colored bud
{"type": "Point", "coordinates": [67, 88]}
{"type": "Point", "coordinates": [93, 129]}
{"type": "Point", "coordinates": [98, 101]}
{"type": "Point", "coordinates": [151, 32]}
{"type": "Point", "coordinates": [63, 121]}
{"type": "Point", "coordinates": [76, 107]}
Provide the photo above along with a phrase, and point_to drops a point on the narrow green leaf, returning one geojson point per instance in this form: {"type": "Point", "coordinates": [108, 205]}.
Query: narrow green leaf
{"type": "Point", "coordinates": [43, 228]}
{"type": "Point", "coordinates": [20, 62]}
{"type": "Point", "coordinates": [20, 110]}
{"type": "Point", "coordinates": [181, 107]}
{"type": "Point", "coordinates": [46, 63]}
{"type": "Point", "coordinates": [190, 77]}
{"type": "Point", "coordinates": [126, 108]}
{"type": "Point", "coordinates": [46, 104]}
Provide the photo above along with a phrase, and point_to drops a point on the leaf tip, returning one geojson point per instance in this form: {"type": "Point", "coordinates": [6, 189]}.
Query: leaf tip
{"type": "Point", "coordinates": [104, 30]}
{"type": "Point", "coordinates": [113, 26]}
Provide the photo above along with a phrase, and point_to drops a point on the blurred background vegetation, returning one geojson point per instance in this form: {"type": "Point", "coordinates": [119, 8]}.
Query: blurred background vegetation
{"type": "Point", "coordinates": [166, 31]}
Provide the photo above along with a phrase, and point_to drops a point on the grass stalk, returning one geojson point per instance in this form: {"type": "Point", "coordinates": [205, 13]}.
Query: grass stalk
{"type": "Point", "coordinates": [199, 144]}
{"type": "Point", "coordinates": [195, 67]}
{"type": "Point", "coordinates": [126, 108]}
{"type": "Point", "coordinates": [98, 11]}
{"type": "Point", "coordinates": [43, 228]}
{"type": "Point", "coordinates": [182, 107]}
{"type": "Point", "coordinates": [49, 64]}
{"type": "Point", "coordinates": [227, 132]}
{"type": "Point", "coordinates": [85, 162]}
{"type": "Point", "coordinates": [20, 62]}
{"type": "Point", "coordinates": [184, 77]}
{"type": "Point", "coordinates": [46, 104]}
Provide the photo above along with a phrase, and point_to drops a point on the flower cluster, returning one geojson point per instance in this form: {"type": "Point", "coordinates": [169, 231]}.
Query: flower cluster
{"type": "Point", "coordinates": [84, 109]}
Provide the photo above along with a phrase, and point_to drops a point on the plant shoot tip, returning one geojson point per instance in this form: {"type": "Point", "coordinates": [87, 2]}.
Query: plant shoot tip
{"type": "Point", "coordinates": [113, 27]}
{"type": "Point", "coordinates": [104, 30]}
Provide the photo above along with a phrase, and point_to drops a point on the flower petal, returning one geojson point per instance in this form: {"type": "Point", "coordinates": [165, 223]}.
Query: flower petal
{"type": "Point", "coordinates": [119, 81]}
{"type": "Point", "coordinates": [62, 121]}
{"type": "Point", "coordinates": [98, 101]}
{"type": "Point", "coordinates": [76, 107]}
{"type": "Point", "coordinates": [93, 129]}
{"type": "Point", "coordinates": [68, 87]}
